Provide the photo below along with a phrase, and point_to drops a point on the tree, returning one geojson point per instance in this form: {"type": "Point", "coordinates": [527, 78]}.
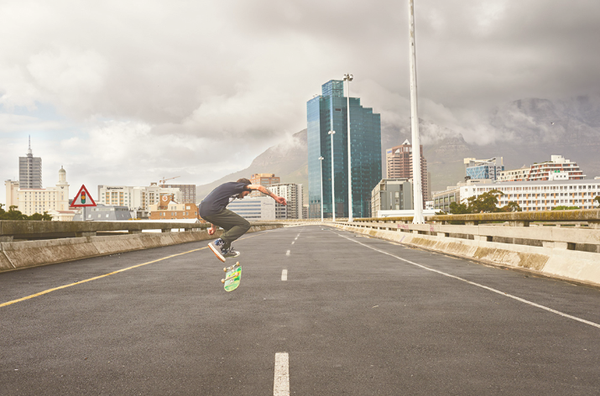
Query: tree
{"type": "Point", "coordinates": [484, 203]}
{"type": "Point", "coordinates": [597, 199]}
{"type": "Point", "coordinates": [512, 206]}
{"type": "Point", "coordinates": [458, 208]}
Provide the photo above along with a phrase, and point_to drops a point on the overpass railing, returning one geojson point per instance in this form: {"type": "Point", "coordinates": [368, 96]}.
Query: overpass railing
{"type": "Point", "coordinates": [561, 229]}
{"type": "Point", "coordinates": [13, 230]}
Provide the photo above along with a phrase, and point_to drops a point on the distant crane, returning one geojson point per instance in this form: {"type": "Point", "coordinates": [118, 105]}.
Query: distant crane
{"type": "Point", "coordinates": [164, 179]}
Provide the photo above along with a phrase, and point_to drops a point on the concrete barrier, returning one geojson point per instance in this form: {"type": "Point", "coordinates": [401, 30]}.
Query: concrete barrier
{"type": "Point", "coordinates": [26, 254]}
{"type": "Point", "coordinates": [556, 261]}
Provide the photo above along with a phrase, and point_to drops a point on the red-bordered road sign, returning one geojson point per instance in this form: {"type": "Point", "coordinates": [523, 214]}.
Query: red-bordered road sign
{"type": "Point", "coordinates": [83, 198]}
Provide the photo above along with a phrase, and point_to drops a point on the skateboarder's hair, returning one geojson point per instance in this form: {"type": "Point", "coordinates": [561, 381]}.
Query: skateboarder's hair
{"type": "Point", "coordinates": [245, 181]}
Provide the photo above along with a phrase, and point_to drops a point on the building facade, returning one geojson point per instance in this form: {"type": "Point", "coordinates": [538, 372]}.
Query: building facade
{"type": "Point", "coordinates": [135, 197]}
{"type": "Point", "coordinates": [168, 209]}
{"type": "Point", "coordinates": [30, 170]}
{"type": "Point", "coordinates": [392, 194]}
{"type": "Point", "coordinates": [294, 195]}
{"type": "Point", "coordinates": [558, 168]}
{"type": "Point", "coordinates": [329, 112]}
{"type": "Point", "coordinates": [188, 191]}
{"type": "Point", "coordinates": [484, 169]}
{"type": "Point", "coordinates": [39, 200]}
{"type": "Point", "coordinates": [254, 208]}
{"type": "Point", "coordinates": [540, 195]}
{"type": "Point", "coordinates": [398, 161]}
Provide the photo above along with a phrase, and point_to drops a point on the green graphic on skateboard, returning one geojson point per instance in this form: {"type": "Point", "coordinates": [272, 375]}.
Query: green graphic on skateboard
{"type": "Point", "coordinates": [233, 276]}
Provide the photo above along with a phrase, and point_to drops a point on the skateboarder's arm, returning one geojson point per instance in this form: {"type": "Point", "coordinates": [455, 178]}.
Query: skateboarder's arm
{"type": "Point", "coordinates": [264, 190]}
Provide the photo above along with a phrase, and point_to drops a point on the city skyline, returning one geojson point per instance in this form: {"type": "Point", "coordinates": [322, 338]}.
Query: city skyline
{"type": "Point", "coordinates": [115, 100]}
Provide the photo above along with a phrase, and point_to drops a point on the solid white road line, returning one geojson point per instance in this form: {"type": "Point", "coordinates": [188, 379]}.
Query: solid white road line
{"type": "Point", "coordinates": [281, 383]}
{"type": "Point", "coordinates": [284, 275]}
{"type": "Point", "coordinates": [587, 322]}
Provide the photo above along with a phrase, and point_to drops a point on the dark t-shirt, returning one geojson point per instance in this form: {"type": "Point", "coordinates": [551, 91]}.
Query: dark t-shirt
{"type": "Point", "coordinates": [219, 198]}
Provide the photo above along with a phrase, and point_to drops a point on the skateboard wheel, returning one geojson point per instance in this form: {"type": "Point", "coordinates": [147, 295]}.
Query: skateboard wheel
{"type": "Point", "coordinates": [222, 280]}
{"type": "Point", "coordinates": [224, 269]}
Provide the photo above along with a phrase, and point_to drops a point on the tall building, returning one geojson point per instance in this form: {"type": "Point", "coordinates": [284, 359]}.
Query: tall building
{"type": "Point", "coordinates": [399, 165]}
{"type": "Point", "coordinates": [328, 112]}
{"type": "Point", "coordinates": [263, 179]}
{"type": "Point", "coordinates": [484, 169]}
{"type": "Point", "coordinates": [293, 194]}
{"type": "Point", "coordinates": [30, 170]}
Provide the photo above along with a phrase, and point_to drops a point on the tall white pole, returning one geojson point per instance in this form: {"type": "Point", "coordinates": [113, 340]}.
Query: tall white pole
{"type": "Point", "coordinates": [414, 118]}
{"type": "Point", "coordinates": [332, 178]}
{"type": "Point", "coordinates": [348, 78]}
{"type": "Point", "coordinates": [321, 163]}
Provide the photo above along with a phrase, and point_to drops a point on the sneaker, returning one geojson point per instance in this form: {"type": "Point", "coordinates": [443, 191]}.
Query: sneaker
{"type": "Point", "coordinates": [217, 248]}
{"type": "Point", "coordinates": [231, 252]}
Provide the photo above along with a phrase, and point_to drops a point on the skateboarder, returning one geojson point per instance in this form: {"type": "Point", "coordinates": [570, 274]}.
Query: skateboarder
{"type": "Point", "coordinates": [213, 208]}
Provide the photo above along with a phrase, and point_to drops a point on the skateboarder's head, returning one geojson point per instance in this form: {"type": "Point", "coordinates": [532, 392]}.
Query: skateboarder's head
{"type": "Point", "coordinates": [246, 182]}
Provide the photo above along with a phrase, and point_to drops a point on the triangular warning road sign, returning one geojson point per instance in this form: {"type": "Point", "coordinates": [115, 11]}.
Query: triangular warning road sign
{"type": "Point", "coordinates": [83, 198]}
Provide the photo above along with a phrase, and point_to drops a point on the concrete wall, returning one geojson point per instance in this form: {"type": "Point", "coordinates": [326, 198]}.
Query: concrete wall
{"type": "Point", "coordinates": [25, 254]}
{"type": "Point", "coordinates": [547, 260]}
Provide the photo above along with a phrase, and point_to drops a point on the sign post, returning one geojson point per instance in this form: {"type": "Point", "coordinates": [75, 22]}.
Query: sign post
{"type": "Point", "coordinates": [83, 199]}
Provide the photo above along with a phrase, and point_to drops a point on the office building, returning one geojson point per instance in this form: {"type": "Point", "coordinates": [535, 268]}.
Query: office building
{"type": "Point", "coordinates": [484, 169]}
{"type": "Point", "coordinates": [541, 195]}
{"type": "Point", "coordinates": [293, 194]}
{"type": "Point", "coordinates": [254, 208]}
{"type": "Point", "coordinates": [399, 165]}
{"type": "Point", "coordinates": [328, 112]}
{"type": "Point", "coordinates": [392, 194]}
{"type": "Point", "coordinates": [30, 170]}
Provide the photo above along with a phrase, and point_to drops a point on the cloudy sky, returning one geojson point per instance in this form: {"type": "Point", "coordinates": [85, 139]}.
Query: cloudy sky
{"type": "Point", "coordinates": [128, 92]}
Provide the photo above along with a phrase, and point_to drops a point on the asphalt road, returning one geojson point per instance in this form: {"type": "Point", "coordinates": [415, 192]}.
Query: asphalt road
{"type": "Point", "coordinates": [356, 316]}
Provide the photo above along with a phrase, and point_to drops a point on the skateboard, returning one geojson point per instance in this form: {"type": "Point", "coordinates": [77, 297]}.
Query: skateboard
{"type": "Point", "coordinates": [233, 276]}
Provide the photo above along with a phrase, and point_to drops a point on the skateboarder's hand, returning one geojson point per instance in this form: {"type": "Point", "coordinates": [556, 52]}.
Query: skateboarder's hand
{"type": "Point", "coordinates": [281, 200]}
{"type": "Point", "coordinates": [212, 229]}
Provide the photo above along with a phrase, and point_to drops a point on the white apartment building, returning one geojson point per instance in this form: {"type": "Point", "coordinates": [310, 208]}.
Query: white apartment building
{"type": "Point", "coordinates": [254, 208]}
{"type": "Point", "coordinates": [540, 195]}
{"type": "Point", "coordinates": [136, 197]}
{"type": "Point", "coordinates": [558, 168]}
{"type": "Point", "coordinates": [294, 195]}
{"type": "Point", "coordinates": [39, 200]}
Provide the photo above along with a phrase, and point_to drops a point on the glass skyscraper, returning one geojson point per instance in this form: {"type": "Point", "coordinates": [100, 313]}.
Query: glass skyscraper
{"type": "Point", "coordinates": [329, 112]}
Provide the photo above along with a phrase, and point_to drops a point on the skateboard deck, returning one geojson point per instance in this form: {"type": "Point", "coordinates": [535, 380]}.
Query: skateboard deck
{"type": "Point", "coordinates": [233, 276]}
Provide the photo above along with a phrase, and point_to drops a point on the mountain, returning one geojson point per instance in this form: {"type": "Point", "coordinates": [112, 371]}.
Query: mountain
{"type": "Point", "coordinates": [288, 160]}
{"type": "Point", "coordinates": [523, 132]}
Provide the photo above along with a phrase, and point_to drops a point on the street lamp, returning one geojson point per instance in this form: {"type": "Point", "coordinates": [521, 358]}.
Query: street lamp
{"type": "Point", "coordinates": [414, 119]}
{"type": "Point", "coordinates": [321, 163]}
{"type": "Point", "coordinates": [332, 178]}
{"type": "Point", "coordinates": [348, 77]}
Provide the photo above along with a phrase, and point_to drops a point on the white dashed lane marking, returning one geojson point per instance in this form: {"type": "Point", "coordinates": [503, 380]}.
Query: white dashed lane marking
{"type": "Point", "coordinates": [284, 275]}
{"type": "Point", "coordinates": [281, 382]}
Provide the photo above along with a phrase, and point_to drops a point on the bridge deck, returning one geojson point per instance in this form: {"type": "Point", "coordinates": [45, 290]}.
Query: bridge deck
{"type": "Point", "coordinates": [322, 311]}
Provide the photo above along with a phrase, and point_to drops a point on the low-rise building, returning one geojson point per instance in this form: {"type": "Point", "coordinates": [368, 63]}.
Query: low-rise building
{"type": "Point", "coordinates": [169, 209]}
{"type": "Point", "coordinates": [391, 194]}
{"type": "Point", "coordinates": [540, 195]}
{"type": "Point", "coordinates": [135, 197]}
